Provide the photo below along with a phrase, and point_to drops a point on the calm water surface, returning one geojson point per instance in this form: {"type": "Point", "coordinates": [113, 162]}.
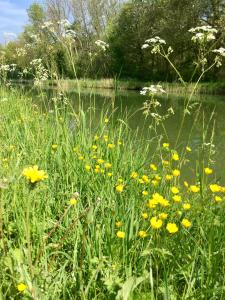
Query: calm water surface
{"type": "Point", "coordinates": [206, 120]}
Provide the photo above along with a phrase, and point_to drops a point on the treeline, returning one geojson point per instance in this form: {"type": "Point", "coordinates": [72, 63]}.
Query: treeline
{"type": "Point", "coordinates": [104, 38]}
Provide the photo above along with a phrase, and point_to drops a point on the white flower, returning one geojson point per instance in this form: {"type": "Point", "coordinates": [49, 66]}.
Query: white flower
{"type": "Point", "coordinates": [102, 44]}
{"type": "Point", "coordinates": [152, 90]}
{"type": "Point", "coordinates": [220, 51]}
{"type": "Point", "coordinates": [144, 46]}
{"type": "Point", "coordinates": [203, 33]}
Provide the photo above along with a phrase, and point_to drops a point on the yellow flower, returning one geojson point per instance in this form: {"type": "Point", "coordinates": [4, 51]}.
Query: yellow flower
{"type": "Point", "coordinates": [215, 188]}
{"type": "Point", "coordinates": [81, 157]}
{"type": "Point", "coordinates": [96, 137]}
{"type": "Point", "coordinates": [145, 179]}
{"type": "Point", "coordinates": [142, 234]}
{"type": "Point", "coordinates": [165, 162]}
{"type": "Point", "coordinates": [106, 120]}
{"type": "Point", "coordinates": [168, 177]}
{"type": "Point", "coordinates": [186, 206]}
{"type": "Point", "coordinates": [186, 223]}
{"type": "Point", "coordinates": [153, 167]}
{"type": "Point", "coordinates": [177, 198]}
{"type": "Point", "coordinates": [120, 234]}
{"type": "Point", "coordinates": [100, 161]}
{"type": "Point", "coordinates": [145, 193]}
{"type": "Point", "coordinates": [141, 181]}
{"type": "Point", "coordinates": [175, 156]}
{"type": "Point", "coordinates": [87, 168]}
{"type": "Point", "coordinates": [73, 201]}
{"type": "Point", "coordinates": [94, 147]}
{"type": "Point", "coordinates": [133, 175]}
{"type": "Point", "coordinates": [21, 287]}
{"type": "Point", "coordinates": [186, 184]}
{"type": "Point", "coordinates": [155, 182]}
{"type": "Point", "coordinates": [34, 175]}
{"type": "Point", "coordinates": [172, 228]}
{"type": "Point", "coordinates": [166, 145]}
{"type": "Point", "coordinates": [156, 223]}
{"type": "Point", "coordinates": [106, 138]}
{"type": "Point", "coordinates": [194, 188]}
{"type": "Point", "coordinates": [176, 173]}
{"type": "Point", "coordinates": [158, 178]}
{"type": "Point", "coordinates": [218, 199]}
{"type": "Point", "coordinates": [119, 224]}
{"type": "Point", "coordinates": [108, 165]}
{"type": "Point", "coordinates": [144, 215]}
{"type": "Point", "coordinates": [174, 190]}
{"type": "Point", "coordinates": [208, 171]}
{"type": "Point", "coordinates": [54, 146]}
{"type": "Point", "coordinates": [97, 169]}
{"type": "Point", "coordinates": [109, 174]}
{"type": "Point", "coordinates": [120, 188]}
{"type": "Point", "coordinates": [163, 216]}
{"type": "Point", "coordinates": [111, 146]}
{"type": "Point", "coordinates": [188, 149]}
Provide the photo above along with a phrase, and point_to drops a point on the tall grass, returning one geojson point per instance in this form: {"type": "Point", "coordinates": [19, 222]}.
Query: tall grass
{"type": "Point", "coordinates": [63, 251]}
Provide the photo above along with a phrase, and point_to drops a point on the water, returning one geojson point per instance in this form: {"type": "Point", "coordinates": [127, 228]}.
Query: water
{"type": "Point", "coordinates": [205, 123]}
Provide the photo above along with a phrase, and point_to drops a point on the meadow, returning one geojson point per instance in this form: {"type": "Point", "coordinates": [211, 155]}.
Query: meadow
{"type": "Point", "coordinates": [88, 213]}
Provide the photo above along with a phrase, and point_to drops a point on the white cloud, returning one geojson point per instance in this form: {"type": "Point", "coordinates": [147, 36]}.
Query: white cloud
{"type": "Point", "coordinates": [12, 18]}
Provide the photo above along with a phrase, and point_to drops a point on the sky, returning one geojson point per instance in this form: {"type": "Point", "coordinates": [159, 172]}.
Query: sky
{"type": "Point", "coordinates": [13, 17]}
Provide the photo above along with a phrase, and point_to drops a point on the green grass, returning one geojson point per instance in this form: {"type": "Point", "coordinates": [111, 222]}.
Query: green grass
{"type": "Point", "coordinates": [60, 251]}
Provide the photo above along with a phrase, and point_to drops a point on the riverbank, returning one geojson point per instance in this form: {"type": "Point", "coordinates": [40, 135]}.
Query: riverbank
{"type": "Point", "coordinates": [203, 88]}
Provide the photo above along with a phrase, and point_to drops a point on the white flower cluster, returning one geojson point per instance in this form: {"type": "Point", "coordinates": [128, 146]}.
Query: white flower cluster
{"type": "Point", "coordinates": [156, 41]}
{"type": "Point", "coordinates": [40, 72]}
{"type": "Point", "coordinates": [220, 51]}
{"type": "Point", "coordinates": [8, 68]}
{"type": "Point", "coordinates": [102, 45]}
{"type": "Point", "coordinates": [203, 33]}
{"type": "Point", "coordinates": [64, 23]}
{"type": "Point", "coordinates": [47, 25]}
{"type": "Point", "coordinates": [21, 52]}
{"type": "Point", "coordinates": [152, 90]}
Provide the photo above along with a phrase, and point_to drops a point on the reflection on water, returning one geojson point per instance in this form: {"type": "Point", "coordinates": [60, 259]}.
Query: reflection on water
{"type": "Point", "coordinates": [206, 120]}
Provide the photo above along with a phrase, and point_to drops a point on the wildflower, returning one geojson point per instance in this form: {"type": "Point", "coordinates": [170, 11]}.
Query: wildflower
{"type": "Point", "coordinates": [142, 234]}
{"type": "Point", "coordinates": [109, 174]}
{"type": "Point", "coordinates": [21, 287]}
{"type": "Point", "coordinates": [108, 165]}
{"type": "Point", "coordinates": [163, 216]}
{"type": "Point", "coordinates": [120, 188]}
{"type": "Point", "coordinates": [119, 224]}
{"type": "Point", "coordinates": [156, 223]}
{"type": "Point", "coordinates": [168, 177]}
{"type": "Point", "coordinates": [81, 157]}
{"type": "Point", "coordinates": [177, 198]}
{"type": "Point", "coordinates": [153, 167]}
{"type": "Point", "coordinates": [176, 173]}
{"type": "Point", "coordinates": [87, 168]}
{"type": "Point", "coordinates": [111, 146]}
{"type": "Point", "coordinates": [94, 147]}
{"type": "Point", "coordinates": [208, 171]}
{"type": "Point", "coordinates": [141, 181]}
{"type": "Point", "coordinates": [186, 184]}
{"type": "Point", "coordinates": [186, 223]}
{"type": "Point", "coordinates": [144, 215]}
{"type": "Point", "coordinates": [73, 201]}
{"type": "Point", "coordinates": [218, 199]}
{"type": "Point", "coordinates": [145, 179]}
{"type": "Point", "coordinates": [194, 188]}
{"type": "Point", "coordinates": [215, 188]}
{"type": "Point", "coordinates": [186, 206]}
{"type": "Point", "coordinates": [174, 190]}
{"type": "Point", "coordinates": [103, 45]}
{"type": "Point", "coordinates": [100, 161]}
{"type": "Point", "coordinates": [54, 146]}
{"type": "Point", "coordinates": [165, 162]}
{"type": "Point", "coordinates": [97, 169]}
{"type": "Point", "coordinates": [172, 228]}
{"type": "Point", "coordinates": [188, 149]}
{"type": "Point", "coordinates": [34, 175]}
{"type": "Point", "coordinates": [158, 178]}
{"type": "Point", "coordinates": [175, 156]}
{"type": "Point", "coordinates": [120, 234]}
{"type": "Point", "coordinates": [106, 120]}
{"type": "Point", "coordinates": [96, 138]}
{"type": "Point", "coordinates": [106, 138]}
{"type": "Point", "coordinates": [145, 193]}
{"type": "Point", "coordinates": [133, 175]}
{"type": "Point", "coordinates": [166, 145]}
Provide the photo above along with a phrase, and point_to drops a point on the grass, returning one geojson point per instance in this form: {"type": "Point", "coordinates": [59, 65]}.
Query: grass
{"type": "Point", "coordinates": [59, 250]}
